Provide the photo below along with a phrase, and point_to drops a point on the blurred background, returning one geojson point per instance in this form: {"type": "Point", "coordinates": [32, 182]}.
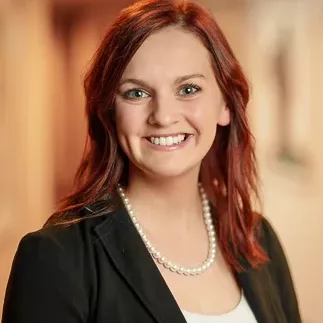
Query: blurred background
{"type": "Point", "coordinates": [45, 48]}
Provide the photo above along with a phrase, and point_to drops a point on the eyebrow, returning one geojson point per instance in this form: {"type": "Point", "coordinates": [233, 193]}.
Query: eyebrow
{"type": "Point", "coordinates": [178, 80]}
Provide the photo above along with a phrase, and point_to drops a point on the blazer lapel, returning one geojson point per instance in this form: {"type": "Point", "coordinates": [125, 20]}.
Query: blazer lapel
{"type": "Point", "coordinates": [130, 256]}
{"type": "Point", "coordinates": [261, 295]}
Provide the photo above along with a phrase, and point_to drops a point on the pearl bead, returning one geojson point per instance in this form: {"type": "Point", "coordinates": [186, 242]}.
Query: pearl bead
{"type": "Point", "coordinates": [208, 221]}
{"type": "Point", "coordinates": [157, 255]}
{"type": "Point", "coordinates": [168, 264]}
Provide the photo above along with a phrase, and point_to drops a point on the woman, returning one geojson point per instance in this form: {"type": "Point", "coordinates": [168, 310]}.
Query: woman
{"type": "Point", "coordinates": [160, 227]}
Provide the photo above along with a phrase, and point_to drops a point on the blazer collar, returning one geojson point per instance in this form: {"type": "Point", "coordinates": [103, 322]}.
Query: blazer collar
{"type": "Point", "coordinates": [131, 257]}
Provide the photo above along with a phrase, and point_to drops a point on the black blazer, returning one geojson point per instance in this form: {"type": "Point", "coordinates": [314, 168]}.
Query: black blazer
{"type": "Point", "coordinates": [99, 271]}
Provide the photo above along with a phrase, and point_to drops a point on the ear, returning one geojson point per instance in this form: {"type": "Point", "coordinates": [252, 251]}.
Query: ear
{"type": "Point", "coordinates": [224, 115]}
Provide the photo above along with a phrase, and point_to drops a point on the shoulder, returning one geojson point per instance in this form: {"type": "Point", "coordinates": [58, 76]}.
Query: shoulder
{"type": "Point", "coordinates": [56, 257]}
{"type": "Point", "coordinates": [278, 268]}
{"type": "Point", "coordinates": [64, 246]}
{"type": "Point", "coordinates": [266, 231]}
{"type": "Point", "coordinates": [271, 243]}
{"type": "Point", "coordinates": [52, 274]}
{"type": "Point", "coordinates": [267, 234]}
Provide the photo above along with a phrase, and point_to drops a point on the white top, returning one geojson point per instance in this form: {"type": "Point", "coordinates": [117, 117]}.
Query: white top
{"type": "Point", "coordinates": [242, 314]}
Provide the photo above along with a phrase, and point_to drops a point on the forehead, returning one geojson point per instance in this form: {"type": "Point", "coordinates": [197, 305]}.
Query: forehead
{"type": "Point", "coordinates": [169, 53]}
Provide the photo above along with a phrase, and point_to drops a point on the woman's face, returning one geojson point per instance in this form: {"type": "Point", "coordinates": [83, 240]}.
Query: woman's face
{"type": "Point", "coordinates": [168, 105]}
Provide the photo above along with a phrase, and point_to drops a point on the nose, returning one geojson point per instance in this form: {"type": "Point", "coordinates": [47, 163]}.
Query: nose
{"type": "Point", "coordinates": [164, 112]}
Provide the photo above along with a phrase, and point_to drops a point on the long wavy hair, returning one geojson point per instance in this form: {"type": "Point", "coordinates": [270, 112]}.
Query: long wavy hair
{"type": "Point", "coordinates": [228, 172]}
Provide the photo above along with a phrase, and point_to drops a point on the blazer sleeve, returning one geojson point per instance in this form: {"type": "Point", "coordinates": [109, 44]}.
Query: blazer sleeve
{"type": "Point", "coordinates": [279, 266]}
{"type": "Point", "coordinates": [42, 286]}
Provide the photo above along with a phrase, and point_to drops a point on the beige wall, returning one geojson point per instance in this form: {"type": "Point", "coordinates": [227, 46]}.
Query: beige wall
{"type": "Point", "coordinates": [25, 140]}
{"type": "Point", "coordinates": [293, 191]}
{"type": "Point", "coordinates": [42, 124]}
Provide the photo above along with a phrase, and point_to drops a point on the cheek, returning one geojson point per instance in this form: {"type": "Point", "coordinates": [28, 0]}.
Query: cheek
{"type": "Point", "coordinates": [127, 120]}
{"type": "Point", "coordinates": [124, 127]}
{"type": "Point", "coordinates": [203, 114]}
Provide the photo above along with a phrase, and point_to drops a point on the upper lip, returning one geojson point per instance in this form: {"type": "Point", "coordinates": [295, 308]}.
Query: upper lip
{"type": "Point", "coordinates": [168, 134]}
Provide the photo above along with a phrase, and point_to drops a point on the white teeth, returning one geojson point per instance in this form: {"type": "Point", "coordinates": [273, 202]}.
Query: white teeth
{"type": "Point", "coordinates": [162, 141]}
{"type": "Point", "coordinates": [167, 141]}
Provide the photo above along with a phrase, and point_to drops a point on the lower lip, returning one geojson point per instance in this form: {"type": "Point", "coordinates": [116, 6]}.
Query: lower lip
{"type": "Point", "coordinates": [169, 148]}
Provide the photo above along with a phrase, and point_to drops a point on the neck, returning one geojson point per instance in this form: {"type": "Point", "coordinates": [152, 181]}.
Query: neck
{"type": "Point", "coordinates": [175, 201]}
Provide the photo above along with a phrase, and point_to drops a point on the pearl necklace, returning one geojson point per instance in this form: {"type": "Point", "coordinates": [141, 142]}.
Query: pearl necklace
{"type": "Point", "coordinates": [157, 255]}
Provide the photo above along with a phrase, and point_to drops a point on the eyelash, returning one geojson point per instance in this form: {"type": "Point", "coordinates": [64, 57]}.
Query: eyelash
{"type": "Point", "coordinates": [191, 85]}
{"type": "Point", "coordinates": [188, 85]}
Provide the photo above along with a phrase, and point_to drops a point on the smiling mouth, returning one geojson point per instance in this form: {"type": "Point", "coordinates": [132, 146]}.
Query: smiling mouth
{"type": "Point", "coordinates": [168, 140]}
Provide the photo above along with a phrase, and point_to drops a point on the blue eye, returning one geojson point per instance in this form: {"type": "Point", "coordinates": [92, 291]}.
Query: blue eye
{"type": "Point", "coordinates": [135, 94]}
{"type": "Point", "coordinates": [189, 89]}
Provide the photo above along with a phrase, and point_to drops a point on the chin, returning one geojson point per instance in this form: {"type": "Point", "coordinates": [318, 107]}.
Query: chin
{"type": "Point", "coordinates": [168, 171]}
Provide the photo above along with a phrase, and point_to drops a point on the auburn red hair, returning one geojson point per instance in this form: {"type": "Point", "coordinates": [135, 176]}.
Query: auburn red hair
{"type": "Point", "coordinates": [228, 172]}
